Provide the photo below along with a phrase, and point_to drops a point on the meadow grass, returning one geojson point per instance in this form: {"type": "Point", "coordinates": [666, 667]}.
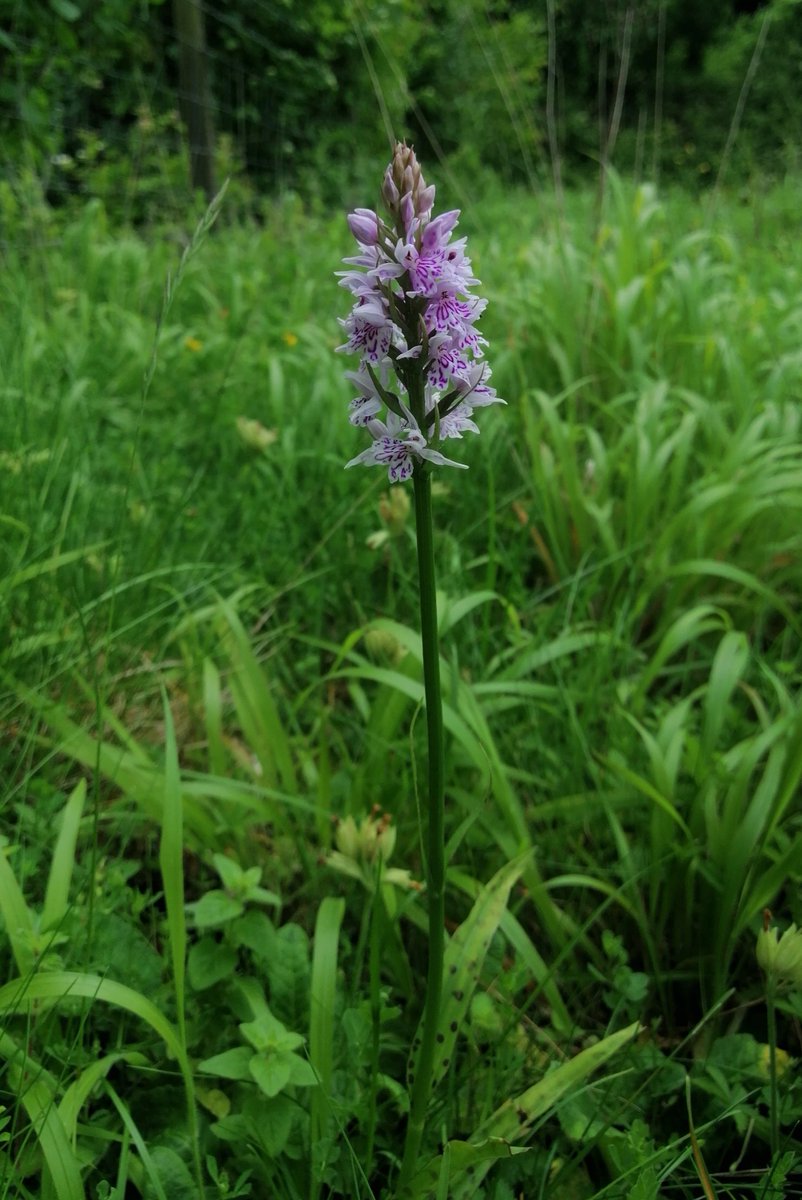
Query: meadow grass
{"type": "Point", "coordinates": [211, 628]}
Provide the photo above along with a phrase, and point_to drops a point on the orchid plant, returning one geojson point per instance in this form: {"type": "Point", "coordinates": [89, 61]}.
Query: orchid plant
{"type": "Point", "coordinates": [420, 380]}
{"type": "Point", "coordinates": [413, 323]}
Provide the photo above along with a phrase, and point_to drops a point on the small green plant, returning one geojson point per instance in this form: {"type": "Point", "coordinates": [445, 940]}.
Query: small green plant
{"type": "Point", "coordinates": [271, 1061]}
{"type": "Point", "coordinates": [780, 959]}
{"type": "Point", "coordinates": [240, 888]}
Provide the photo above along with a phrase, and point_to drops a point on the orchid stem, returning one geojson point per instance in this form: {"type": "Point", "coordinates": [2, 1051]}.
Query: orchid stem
{"type": "Point", "coordinates": [421, 1084]}
{"type": "Point", "coordinates": [774, 1107]}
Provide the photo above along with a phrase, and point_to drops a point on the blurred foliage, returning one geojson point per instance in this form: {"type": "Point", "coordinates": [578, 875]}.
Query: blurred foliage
{"type": "Point", "coordinates": [305, 95]}
{"type": "Point", "coordinates": [68, 67]}
{"type": "Point", "coordinates": [683, 66]}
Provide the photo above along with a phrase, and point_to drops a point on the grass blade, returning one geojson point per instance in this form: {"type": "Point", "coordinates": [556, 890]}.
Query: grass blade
{"type": "Point", "coordinates": [515, 1116]}
{"type": "Point", "coordinates": [321, 1017]}
{"type": "Point", "coordinates": [17, 995]}
{"type": "Point", "coordinates": [171, 864]}
{"type": "Point", "coordinates": [256, 708]}
{"type": "Point", "coordinates": [464, 958]}
{"type": "Point", "coordinates": [33, 1087]}
{"type": "Point", "coordinates": [16, 917]}
{"type": "Point", "coordinates": [58, 881]}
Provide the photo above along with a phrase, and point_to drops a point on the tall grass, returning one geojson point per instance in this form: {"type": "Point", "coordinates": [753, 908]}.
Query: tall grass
{"type": "Point", "coordinates": [621, 673]}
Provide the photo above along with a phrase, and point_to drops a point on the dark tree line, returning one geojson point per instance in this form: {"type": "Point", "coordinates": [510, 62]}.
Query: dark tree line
{"type": "Point", "coordinates": [306, 92]}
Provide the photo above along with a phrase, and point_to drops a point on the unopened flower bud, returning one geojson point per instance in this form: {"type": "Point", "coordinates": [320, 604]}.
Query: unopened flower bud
{"type": "Point", "coordinates": [378, 838]}
{"type": "Point", "coordinates": [364, 225]}
{"type": "Point", "coordinates": [364, 849]}
{"type": "Point", "coordinates": [781, 957]}
{"type": "Point", "coordinates": [390, 193]}
{"type": "Point", "coordinates": [404, 189]}
{"type": "Point", "coordinates": [372, 839]}
{"type": "Point", "coordinates": [347, 838]}
{"type": "Point", "coordinates": [425, 200]}
{"type": "Point", "coordinates": [383, 646]}
{"type": "Point", "coordinates": [407, 210]}
{"type": "Point", "coordinates": [403, 160]}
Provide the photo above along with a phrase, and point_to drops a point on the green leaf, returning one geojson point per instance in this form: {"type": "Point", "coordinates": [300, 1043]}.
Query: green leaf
{"type": "Point", "coordinates": [35, 1089]}
{"type": "Point", "coordinates": [451, 612]}
{"type": "Point", "coordinates": [254, 931]}
{"type": "Point", "coordinates": [288, 975]}
{"type": "Point", "coordinates": [213, 715]}
{"type": "Point", "coordinates": [58, 881]}
{"type": "Point", "coordinates": [744, 579]}
{"type": "Point", "coordinates": [302, 1073]}
{"type": "Point", "coordinates": [121, 951]}
{"type": "Point", "coordinates": [66, 9]}
{"type": "Point", "coordinates": [251, 879]}
{"type": "Point", "coordinates": [689, 627]}
{"type": "Point", "coordinates": [209, 962]}
{"type": "Point", "coordinates": [81, 1088]}
{"type": "Point", "coordinates": [215, 908]}
{"type": "Point", "coordinates": [18, 995]}
{"type": "Point", "coordinates": [515, 1116]}
{"type": "Point", "coordinates": [38, 1102]}
{"type": "Point", "coordinates": [276, 1124]}
{"type": "Point", "coordinates": [271, 1071]}
{"type": "Point", "coordinates": [541, 973]}
{"type": "Point", "coordinates": [459, 1157]}
{"type": "Point", "coordinates": [256, 708]}
{"type": "Point", "coordinates": [231, 1064]}
{"type": "Point", "coordinates": [546, 1093]}
{"type": "Point", "coordinates": [321, 1011]}
{"type": "Point", "coordinates": [231, 872]}
{"type": "Point", "coordinates": [173, 1175]}
{"type": "Point", "coordinates": [149, 1174]}
{"type": "Point", "coordinates": [16, 916]}
{"type": "Point", "coordinates": [54, 563]}
{"type": "Point", "coordinates": [265, 1032]}
{"type": "Point", "coordinates": [464, 959]}
{"type": "Point", "coordinates": [272, 1121]}
{"type": "Point", "coordinates": [233, 1128]}
{"type": "Point", "coordinates": [728, 666]}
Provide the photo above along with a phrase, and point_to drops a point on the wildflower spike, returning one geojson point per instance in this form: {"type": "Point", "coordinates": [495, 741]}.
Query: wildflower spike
{"type": "Point", "coordinates": [414, 317]}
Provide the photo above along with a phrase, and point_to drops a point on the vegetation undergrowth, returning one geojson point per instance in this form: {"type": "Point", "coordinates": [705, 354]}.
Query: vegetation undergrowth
{"type": "Point", "coordinates": [211, 683]}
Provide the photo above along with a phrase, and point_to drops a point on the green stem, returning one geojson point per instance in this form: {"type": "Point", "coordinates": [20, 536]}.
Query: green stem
{"type": "Point", "coordinates": [435, 864]}
{"type": "Point", "coordinates": [774, 1113]}
{"type": "Point", "coordinates": [377, 918]}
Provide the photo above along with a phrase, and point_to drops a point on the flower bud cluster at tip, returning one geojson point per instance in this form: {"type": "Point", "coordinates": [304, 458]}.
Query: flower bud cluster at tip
{"type": "Point", "coordinates": [404, 189]}
{"type": "Point", "coordinates": [413, 323]}
{"type": "Point", "coordinates": [780, 958]}
{"type": "Point", "coordinates": [363, 849]}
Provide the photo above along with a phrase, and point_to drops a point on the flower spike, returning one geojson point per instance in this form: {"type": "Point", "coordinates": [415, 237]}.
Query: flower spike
{"type": "Point", "coordinates": [414, 317]}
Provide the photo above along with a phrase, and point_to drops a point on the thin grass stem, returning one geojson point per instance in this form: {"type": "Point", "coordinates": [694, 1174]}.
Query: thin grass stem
{"type": "Point", "coordinates": [774, 1114]}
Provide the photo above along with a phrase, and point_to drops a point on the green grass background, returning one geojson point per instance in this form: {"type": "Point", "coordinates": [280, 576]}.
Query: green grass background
{"type": "Point", "coordinates": [620, 576]}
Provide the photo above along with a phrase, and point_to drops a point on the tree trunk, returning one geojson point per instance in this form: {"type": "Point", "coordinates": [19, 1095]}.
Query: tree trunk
{"type": "Point", "coordinates": [194, 97]}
